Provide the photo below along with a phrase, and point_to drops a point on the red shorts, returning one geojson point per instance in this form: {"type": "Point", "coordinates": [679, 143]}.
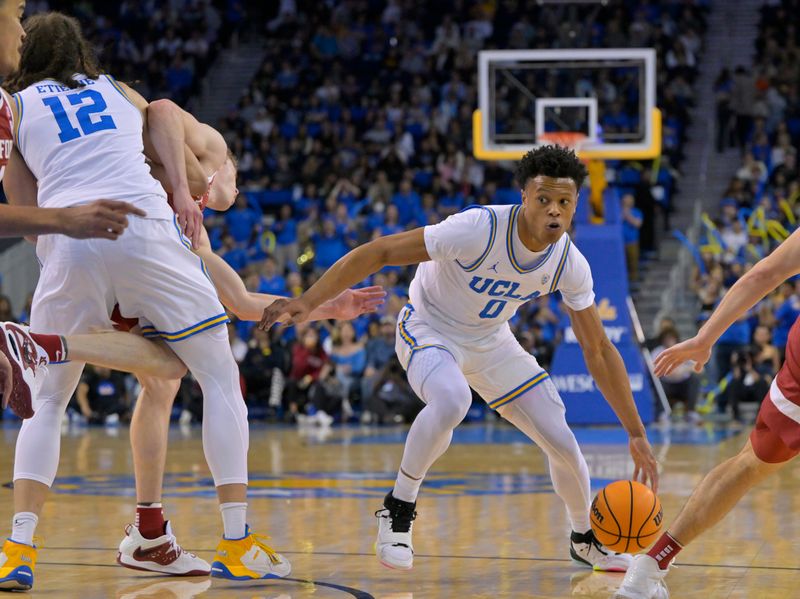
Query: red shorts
{"type": "Point", "coordinates": [120, 322]}
{"type": "Point", "coordinates": [776, 435]}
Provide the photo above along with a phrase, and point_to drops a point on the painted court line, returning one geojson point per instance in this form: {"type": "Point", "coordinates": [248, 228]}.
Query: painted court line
{"type": "Point", "coordinates": [473, 557]}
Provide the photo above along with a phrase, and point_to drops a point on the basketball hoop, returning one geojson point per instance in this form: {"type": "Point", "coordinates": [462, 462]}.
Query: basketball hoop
{"type": "Point", "coordinates": [566, 139]}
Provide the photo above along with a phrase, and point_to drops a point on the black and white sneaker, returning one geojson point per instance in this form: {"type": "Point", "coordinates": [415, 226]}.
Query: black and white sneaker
{"type": "Point", "coordinates": [395, 519]}
{"type": "Point", "coordinates": [585, 549]}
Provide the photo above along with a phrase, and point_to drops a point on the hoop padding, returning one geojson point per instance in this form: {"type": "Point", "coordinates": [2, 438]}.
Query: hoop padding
{"type": "Point", "coordinates": [652, 151]}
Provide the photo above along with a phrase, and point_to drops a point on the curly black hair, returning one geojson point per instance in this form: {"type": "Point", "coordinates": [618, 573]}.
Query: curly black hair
{"type": "Point", "coordinates": [550, 161]}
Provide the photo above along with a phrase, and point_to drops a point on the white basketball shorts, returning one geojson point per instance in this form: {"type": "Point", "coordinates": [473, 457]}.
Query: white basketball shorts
{"type": "Point", "coordinates": [149, 270]}
{"type": "Point", "coordinates": [498, 368]}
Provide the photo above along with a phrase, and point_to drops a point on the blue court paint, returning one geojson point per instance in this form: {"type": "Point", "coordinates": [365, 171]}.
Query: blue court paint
{"type": "Point", "coordinates": [319, 485]}
{"type": "Point", "coordinates": [473, 435]}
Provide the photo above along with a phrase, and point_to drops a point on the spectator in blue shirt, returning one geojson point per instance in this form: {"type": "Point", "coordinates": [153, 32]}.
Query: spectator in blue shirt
{"type": "Point", "coordinates": [350, 358]}
{"type": "Point", "coordinates": [329, 246]}
{"type": "Point", "coordinates": [391, 222]}
{"type": "Point", "coordinates": [785, 316]}
{"type": "Point", "coordinates": [379, 350]}
{"type": "Point", "coordinates": [242, 220]}
{"type": "Point", "coordinates": [286, 247]}
{"type": "Point", "coordinates": [408, 202]}
{"type": "Point", "coordinates": [631, 223]}
{"type": "Point", "coordinates": [233, 254]}
{"type": "Point", "coordinates": [271, 281]}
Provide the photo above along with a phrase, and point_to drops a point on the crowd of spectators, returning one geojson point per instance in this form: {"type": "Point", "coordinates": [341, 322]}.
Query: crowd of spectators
{"type": "Point", "coordinates": [161, 47]}
{"type": "Point", "coordinates": [758, 112]}
{"type": "Point", "coordinates": [358, 124]}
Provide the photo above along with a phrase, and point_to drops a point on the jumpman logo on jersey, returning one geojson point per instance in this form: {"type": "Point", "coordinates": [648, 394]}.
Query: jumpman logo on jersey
{"type": "Point", "coordinates": [494, 266]}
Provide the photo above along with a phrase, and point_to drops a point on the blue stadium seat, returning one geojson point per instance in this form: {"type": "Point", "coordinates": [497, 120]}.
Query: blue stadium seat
{"type": "Point", "coordinates": [423, 179]}
{"type": "Point", "coordinates": [508, 195]}
{"type": "Point", "coordinates": [269, 197]}
{"type": "Point", "coordinates": [628, 176]}
{"type": "Point", "coordinates": [288, 130]}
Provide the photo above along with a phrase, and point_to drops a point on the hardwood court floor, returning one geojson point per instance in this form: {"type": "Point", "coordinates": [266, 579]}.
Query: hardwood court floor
{"type": "Point", "coordinates": [489, 524]}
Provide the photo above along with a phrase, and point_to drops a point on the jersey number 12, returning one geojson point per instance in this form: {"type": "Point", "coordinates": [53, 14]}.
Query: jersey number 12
{"type": "Point", "coordinates": [91, 102]}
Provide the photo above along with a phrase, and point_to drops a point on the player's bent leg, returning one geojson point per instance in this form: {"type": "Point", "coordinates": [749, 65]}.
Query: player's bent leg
{"type": "Point", "coordinates": [149, 542]}
{"type": "Point", "coordinates": [35, 465]}
{"type": "Point", "coordinates": [126, 352]}
{"type": "Point", "coordinates": [715, 496]}
{"type": "Point", "coordinates": [241, 555]}
{"type": "Point", "coordinates": [540, 414]}
{"type": "Point", "coordinates": [438, 381]}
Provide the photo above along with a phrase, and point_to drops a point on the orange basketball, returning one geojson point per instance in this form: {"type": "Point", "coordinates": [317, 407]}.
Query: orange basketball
{"type": "Point", "coordinates": [626, 516]}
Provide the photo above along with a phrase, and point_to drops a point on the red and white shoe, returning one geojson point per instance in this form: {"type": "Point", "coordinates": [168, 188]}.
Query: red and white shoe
{"type": "Point", "coordinates": [27, 360]}
{"type": "Point", "coordinates": [162, 554]}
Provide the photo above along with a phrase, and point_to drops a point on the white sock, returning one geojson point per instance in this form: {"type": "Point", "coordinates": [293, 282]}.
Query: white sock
{"type": "Point", "coordinates": [234, 519]}
{"type": "Point", "coordinates": [23, 525]}
{"type": "Point", "coordinates": [406, 488]}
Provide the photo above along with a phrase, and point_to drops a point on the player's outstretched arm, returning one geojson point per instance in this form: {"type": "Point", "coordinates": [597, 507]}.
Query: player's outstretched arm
{"type": "Point", "coordinates": [401, 249]}
{"type": "Point", "coordinates": [247, 305]}
{"type": "Point", "coordinates": [760, 280]}
{"type": "Point", "coordinates": [608, 370]}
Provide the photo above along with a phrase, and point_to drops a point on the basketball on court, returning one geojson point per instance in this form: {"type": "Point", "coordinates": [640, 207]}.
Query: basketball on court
{"type": "Point", "coordinates": [626, 516]}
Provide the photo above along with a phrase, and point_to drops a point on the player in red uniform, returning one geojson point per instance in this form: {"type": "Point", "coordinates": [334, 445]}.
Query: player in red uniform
{"type": "Point", "coordinates": [773, 442]}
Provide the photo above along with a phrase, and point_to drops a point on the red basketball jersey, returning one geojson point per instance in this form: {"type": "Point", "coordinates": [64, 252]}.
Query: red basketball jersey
{"type": "Point", "coordinates": [6, 133]}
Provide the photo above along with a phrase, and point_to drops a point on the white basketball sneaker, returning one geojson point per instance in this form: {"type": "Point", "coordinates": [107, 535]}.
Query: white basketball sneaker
{"type": "Point", "coordinates": [162, 554]}
{"type": "Point", "coordinates": [585, 549]}
{"type": "Point", "coordinates": [395, 519]}
{"type": "Point", "coordinates": [643, 580]}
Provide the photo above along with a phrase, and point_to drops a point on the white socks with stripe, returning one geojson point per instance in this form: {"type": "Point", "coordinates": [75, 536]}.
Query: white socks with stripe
{"type": "Point", "coordinates": [234, 519]}
{"type": "Point", "coordinates": [23, 526]}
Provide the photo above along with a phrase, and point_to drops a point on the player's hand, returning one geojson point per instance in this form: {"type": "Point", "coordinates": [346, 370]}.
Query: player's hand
{"type": "Point", "coordinates": [290, 312]}
{"type": "Point", "coordinates": [190, 217]}
{"type": "Point", "coordinates": [103, 219]}
{"type": "Point", "coordinates": [352, 303]}
{"type": "Point", "coordinates": [6, 379]}
{"type": "Point", "coordinates": [689, 350]}
{"type": "Point", "coordinates": [645, 468]}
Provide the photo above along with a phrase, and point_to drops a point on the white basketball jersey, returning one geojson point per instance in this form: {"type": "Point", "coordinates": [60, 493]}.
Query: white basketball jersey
{"type": "Point", "coordinates": [85, 144]}
{"type": "Point", "coordinates": [471, 301]}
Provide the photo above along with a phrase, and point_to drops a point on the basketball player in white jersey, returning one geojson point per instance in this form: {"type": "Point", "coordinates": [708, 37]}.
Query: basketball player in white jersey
{"type": "Point", "coordinates": [80, 135]}
{"type": "Point", "coordinates": [475, 269]}
{"type": "Point", "coordinates": [160, 370]}
{"type": "Point", "coordinates": [97, 219]}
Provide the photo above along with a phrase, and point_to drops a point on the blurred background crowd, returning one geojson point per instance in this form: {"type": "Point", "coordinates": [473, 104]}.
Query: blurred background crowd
{"type": "Point", "coordinates": [358, 124]}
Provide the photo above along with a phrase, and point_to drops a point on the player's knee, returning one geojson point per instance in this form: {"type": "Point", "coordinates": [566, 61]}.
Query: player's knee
{"type": "Point", "coordinates": [451, 397]}
{"type": "Point", "coordinates": [157, 392]}
{"type": "Point", "coordinates": [174, 369]}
